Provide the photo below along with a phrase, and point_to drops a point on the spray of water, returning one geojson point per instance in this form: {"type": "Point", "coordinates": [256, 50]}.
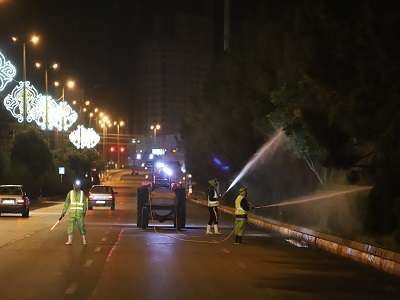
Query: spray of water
{"type": "Point", "coordinates": [259, 155]}
{"type": "Point", "coordinates": [317, 197]}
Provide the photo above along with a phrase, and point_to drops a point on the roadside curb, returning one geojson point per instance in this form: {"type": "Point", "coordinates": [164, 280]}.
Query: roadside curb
{"type": "Point", "coordinates": [378, 258]}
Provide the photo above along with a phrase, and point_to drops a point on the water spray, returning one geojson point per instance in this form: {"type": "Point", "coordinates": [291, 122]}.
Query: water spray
{"type": "Point", "coordinates": [316, 197]}
{"type": "Point", "coordinates": [257, 156]}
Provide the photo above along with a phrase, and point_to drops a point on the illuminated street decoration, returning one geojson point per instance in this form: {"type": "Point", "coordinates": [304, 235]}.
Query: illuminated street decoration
{"type": "Point", "coordinates": [64, 117]}
{"type": "Point", "coordinates": [39, 113]}
{"type": "Point", "coordinates": [84, 137]}
{"type": "Point", "coordinates": [7, 72]}
{"type": "Point", "coordinates": [14, 102]}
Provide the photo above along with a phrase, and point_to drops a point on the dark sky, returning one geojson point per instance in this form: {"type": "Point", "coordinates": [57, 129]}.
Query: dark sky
{"type": "Point", "coordinates": [93, 40]}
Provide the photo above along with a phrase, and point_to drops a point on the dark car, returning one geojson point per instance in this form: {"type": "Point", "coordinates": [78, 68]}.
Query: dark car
{"type": "Point", "coordinates": [102, 196]}
{"type": "Point", "coordinates": [14, 200]}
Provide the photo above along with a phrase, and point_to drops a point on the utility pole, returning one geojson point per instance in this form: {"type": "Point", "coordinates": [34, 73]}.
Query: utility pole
{"type": "Point", "coordinates": [227, 25]}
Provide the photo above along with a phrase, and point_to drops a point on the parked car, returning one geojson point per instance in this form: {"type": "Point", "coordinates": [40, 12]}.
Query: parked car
{"type": "Point", "coordinates": [14, 200]}
{"type": "Point", "coordinates": [102, 196]}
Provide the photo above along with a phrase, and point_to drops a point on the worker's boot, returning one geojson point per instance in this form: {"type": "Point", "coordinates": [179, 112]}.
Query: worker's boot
{"type": "Point", "coordinates": [69, 242]}
{"type": "Point", "coordinates": [84, 242]}
{"type": "Point", "coordinates": [238, 240]}
{"type": "Point", "coordinates": [209, 230]}
{"type": "Point", "coordinates": [216, 231]}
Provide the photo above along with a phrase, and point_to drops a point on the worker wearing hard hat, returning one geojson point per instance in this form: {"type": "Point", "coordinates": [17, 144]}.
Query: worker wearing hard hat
{"type": "Point", "coordinates": [213, 194]}
{"type": "Point", "coordinates": [76, 205]}
{"type": "Point", "coordinates": [241, 210]}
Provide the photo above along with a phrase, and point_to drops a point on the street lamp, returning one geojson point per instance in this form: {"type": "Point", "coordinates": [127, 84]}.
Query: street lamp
{"type": "Point", "coordinates": [155, 128]}
{"type": "Point", "coordinates": [54, 66]}
{"type": "Point", "coordinates": [34, 39]}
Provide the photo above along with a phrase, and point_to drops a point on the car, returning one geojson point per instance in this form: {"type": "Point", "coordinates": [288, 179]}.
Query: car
{"type": "Point", "coordinates": [14, 200]}
{"type": "Point", "coordinates": [102, 196]}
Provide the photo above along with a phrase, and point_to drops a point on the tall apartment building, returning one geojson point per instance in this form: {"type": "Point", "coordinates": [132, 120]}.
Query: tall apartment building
{"type": "Point", "coordinates": [170, 69]}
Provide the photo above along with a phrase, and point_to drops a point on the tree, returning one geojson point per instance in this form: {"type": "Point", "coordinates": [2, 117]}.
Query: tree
{"type": "Point", "coordinates": [30, 152]}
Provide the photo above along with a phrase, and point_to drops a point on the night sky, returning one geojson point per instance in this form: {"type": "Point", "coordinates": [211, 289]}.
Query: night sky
{"type": "Point", "coordinates": [94, 41]}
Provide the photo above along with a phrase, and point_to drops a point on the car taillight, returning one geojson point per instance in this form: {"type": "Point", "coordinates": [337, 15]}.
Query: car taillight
{"type": "Point", "coordinates": [110, 197]}
{"type": "Point", "coordinates": [20, 201]}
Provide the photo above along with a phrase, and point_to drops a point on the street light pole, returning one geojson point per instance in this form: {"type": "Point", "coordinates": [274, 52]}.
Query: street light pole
{"type": "Point", "coordinates": [155, 128]}
{"type": "Point", "coordinates": [118, 147]}
{"type": "Point", "coordinates": [24, 79]}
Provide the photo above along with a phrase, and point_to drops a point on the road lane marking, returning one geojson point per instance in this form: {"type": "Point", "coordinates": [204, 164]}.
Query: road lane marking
{"type": "Point", "coordinates": [226, 250]}
{"type": "Point", "coordinates": [98, 249]}
{"type": "Point", "coordinates": [71, 289]}
{"type": "Point", "coordinates": [115, 245]}
{"type": "Point", "coordinates": [88, 263]}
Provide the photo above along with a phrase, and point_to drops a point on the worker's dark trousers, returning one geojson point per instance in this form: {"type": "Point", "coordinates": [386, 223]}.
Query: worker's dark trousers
{"type": "Point", "coordinates": [213, 211]}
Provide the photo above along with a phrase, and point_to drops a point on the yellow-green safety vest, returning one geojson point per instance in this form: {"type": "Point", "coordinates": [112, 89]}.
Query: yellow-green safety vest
{"type": "Point", "coordinates": [239, 211]}
{"type": "Point", "coordinates": [74, 204]}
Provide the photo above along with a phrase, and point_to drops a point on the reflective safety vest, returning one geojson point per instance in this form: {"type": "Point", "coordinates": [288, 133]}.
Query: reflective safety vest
{"type": "Point", "coordinates": [239, 211]}
{"type": "Point", "coordinates": [75, 204]}
{"type": "Point", "coordinates": [213, 202]}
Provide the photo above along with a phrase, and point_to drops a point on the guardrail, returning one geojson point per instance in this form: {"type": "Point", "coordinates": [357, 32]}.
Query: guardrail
{"type": "Point", "coordinates": [378, 258]}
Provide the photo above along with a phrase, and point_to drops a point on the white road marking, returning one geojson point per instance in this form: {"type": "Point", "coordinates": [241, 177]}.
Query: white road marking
{"type": "Point", "coordinates": [226, 250]}
{"type": "Point", "coordinates": [88, 263]}
{"type": "Point", "coordinates": [98, 249]}
{"type": "Point", "coordinates": [71, 289]}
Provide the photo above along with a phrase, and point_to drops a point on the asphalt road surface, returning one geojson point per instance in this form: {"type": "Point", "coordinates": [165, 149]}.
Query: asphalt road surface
{"type": "Point", "coordinates": [124, 262]}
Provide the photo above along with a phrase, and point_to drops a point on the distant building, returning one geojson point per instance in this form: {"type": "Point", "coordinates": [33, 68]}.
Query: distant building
{"type": "Point", "coordinates": [171, 68]}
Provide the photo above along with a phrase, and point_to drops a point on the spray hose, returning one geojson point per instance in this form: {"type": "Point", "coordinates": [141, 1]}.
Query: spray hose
{"type": "Point", "coordinates": [227, 236]}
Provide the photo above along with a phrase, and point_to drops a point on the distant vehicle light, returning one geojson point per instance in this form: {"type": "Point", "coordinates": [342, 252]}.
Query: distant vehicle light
{"type": "Point", "coordinates": [151, 156]}
{"type": "Point", "coordinates": [168, 171]}
{"type": "Point", "coordinates": [138, 156]}
{"type": "Point", "coordinates": [160, 165]}
{"type": "Point", "coordinates": [142, 165]}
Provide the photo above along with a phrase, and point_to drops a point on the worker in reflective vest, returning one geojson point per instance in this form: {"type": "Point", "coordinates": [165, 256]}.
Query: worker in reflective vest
{"type": "Point", "coordinates": [76, 205]}
{"type": "Point", "coordinates": [241, 210]}
{"type": "Point", "coordinates": [213, 195]}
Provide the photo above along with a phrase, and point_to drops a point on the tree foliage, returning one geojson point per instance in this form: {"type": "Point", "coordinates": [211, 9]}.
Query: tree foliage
{"type": "Point", "coordinates": [325, 71]}
{"type": "Point", "coordinates": [30, 151]}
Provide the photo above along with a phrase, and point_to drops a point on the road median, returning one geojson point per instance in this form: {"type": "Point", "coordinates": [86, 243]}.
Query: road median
{"type": "Point", "coordinates": [378, 258]}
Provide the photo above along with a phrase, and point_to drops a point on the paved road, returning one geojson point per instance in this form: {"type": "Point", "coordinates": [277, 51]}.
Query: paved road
{"type": "Point", "coordinates": [124, 262]}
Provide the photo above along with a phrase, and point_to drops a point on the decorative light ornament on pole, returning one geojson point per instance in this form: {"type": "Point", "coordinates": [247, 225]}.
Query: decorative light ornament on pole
{"type": "Point", "coordinates": [14, 102]}
{"type": "Point", "coordinates": [7, 72]}
{"type": "Point", "coordinates": [40, 113]}
{"type": "Point", "coordinates": [84, 137]}
{"type": "Point", "coordinates": [66, 116]}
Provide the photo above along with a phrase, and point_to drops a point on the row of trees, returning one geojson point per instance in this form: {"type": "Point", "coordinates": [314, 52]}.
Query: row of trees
{"type": "Point", "coordinates": [25, 158]}
{"type": "Point", "coordinates": [324, 71]}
